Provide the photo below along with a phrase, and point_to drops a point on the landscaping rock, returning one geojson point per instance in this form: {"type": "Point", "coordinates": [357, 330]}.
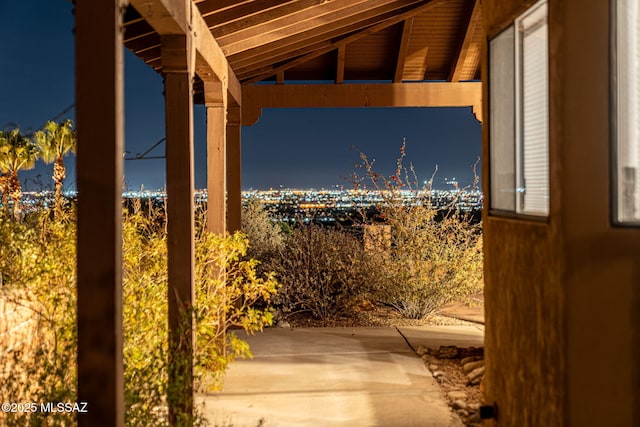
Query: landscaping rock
{"type": "Point", "coordinates": [459, 404]}
{"type": "Point", "coordinates": [468, 367]}
{"type": "Point", "coordinates": [448, 352]}
{"type": "Point", "coordinates": [457, 395]}
{"type": "Point", "coordinates": [468, 359]}
{"type": "Point", "coordinates": [421, 350]}
{"type": "Point", "coordinates": [444, 379]}
{"type": "Point", "coordinates": [459, 371]}
{"type": "Point", "coordinates": [475, 417]}
{"type": "Point", "coordinates": [476, 375]}
{"type": "Point", "coordinates": [471, 352]}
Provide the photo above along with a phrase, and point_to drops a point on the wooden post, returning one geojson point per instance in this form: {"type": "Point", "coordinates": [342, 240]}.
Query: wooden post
{"type": "Point", "coordinates": [99, 120]}
{"type": "Point", "coordinates": [178, 66]}
{"type": "Point", "coordinates": [215, 102]}
{"type": "Point", "coordinates": [234, 170]}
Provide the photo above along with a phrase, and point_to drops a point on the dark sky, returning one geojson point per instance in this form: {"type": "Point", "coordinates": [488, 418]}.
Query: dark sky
{"type": "Point", "coordinates": [299, 148]}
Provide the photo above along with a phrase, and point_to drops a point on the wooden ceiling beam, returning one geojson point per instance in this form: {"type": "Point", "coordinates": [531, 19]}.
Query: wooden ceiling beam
{"type": "Point", "coordinates": [256, 97]}
{"type": "Point", "coordinates": [293, 48]}
{"type": "Point", "coordinates": [166, 17]}
{"type": "Point", "coordinates": [474, 19]}
{"type": "Point", "coordinates": [403, 49]}
{"type": "Point", "coordinates": [342, 53]}
{"type": "Point", "coordinates": [169, 17]}
{"type": "Point", "coordinates": [247, 62]}
{"type": "Point", "coordinates": [259, 12]}
{"type": "Point", "coordinates": [373, 29]}
{"type": "Point", "coordinates": [143, 44]}
{"type": "Point", "coordinates": [248, 67]}
{"type": "Point", "coordinates": [211, 59]}
{"type": "Point", "coordinates": [308, 23]}
{"type": "Point", "coordinates": [137, 30]}
{"type": "Point", "coordinates": [207, 7]}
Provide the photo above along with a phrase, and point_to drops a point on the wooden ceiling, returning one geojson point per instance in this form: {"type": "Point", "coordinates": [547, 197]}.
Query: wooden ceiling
{"type": "Point", "coordinates": [335, 40]}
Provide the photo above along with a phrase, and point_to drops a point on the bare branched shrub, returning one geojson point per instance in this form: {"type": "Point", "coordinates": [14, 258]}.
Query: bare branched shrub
{"type": "Point", "coordinates": [435, 256]}
{"type": "Point", "coordinates": [322, 271]}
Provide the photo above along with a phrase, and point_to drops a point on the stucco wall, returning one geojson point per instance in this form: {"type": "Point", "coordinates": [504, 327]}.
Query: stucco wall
{"type": "Point", "coordinates": [602, 260]}
{"type": "Point", "coordinates": [524, 335]}
{"type": "Point", "coordinates": [524, 296]}
{"type": "Point", "coordinates": [562, 297]}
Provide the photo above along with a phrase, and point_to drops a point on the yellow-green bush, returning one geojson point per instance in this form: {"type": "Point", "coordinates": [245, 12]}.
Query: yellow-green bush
{"type": "Point", "coordinates": [39, 276]}
{"type": "Point", "coordinates": [41, 279]}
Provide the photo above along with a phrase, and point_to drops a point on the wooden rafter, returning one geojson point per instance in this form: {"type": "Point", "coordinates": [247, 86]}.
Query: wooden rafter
{"type": "Point", "coordinates": [139, 29]}
{"type": "Point", "coordinates": [168, 17]}
{"type": "Point", "coordinates": [308, 23]}
{"type": "Point", "coordinates": [375, 28]}
{"type": "Point", "coordinates": [342, 53]}
{"type": "Point", "coordinates": [259, 12]}
{"type": "Point", "coordinates": [208, 7]}
{"type": "Point", "coordinates": [460, 59]}
{"type": "Point", "coordinates": [402, 52]}
{"type": "Point", "coordinates": [306, 38]}
{"type": "Point", "coordinates": [279, 52]}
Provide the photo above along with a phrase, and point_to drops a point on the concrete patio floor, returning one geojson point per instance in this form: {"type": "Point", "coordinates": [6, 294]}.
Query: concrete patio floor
{"type": "Point", "coordinates": [337, 377]}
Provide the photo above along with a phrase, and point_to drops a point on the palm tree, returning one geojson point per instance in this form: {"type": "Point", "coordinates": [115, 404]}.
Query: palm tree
{"type": "Point", "coordinates": [18, 153]}
{"type": "Point", "coordinates": [55, 141]}
{"type": "Point", "coordinates": [4, 171]}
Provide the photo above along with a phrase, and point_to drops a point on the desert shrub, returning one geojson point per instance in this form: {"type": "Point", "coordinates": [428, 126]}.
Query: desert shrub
{"type": "Point", "coordinates": [145, 327]}
{"type": "Point", "coordinates": [229, 288]}
{"type": "Point", "coordinates": [266, 238]}
{"type": "Point", "coordinates": [434, 257]}
{"type": "Point", "coordinates": [39, 365]}
{"type": "Point", "coordinates": [37, 360]}
{"type": "Point", "coordinates": [322, 271]}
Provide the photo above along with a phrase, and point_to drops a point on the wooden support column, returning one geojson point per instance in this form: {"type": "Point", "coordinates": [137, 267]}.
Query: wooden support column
{"type": "Point", "coordinates": [177, 67]}
{"type": "Point", "coordinates": [99, 120]}
{"type": "Point", "coordinates": [234, 170]}
{"type": "Point", "coordinates": [215, 102]}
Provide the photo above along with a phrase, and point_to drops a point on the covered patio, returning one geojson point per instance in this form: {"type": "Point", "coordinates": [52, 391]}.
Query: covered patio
{"type": "Point", "coordinates": [543, 274]}
{"type": "Point", "coordinates": [407, 53]}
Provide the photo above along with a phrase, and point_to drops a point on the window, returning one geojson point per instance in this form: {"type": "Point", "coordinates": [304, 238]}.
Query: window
{"type": "Point", "coordinates": [502, 121]}
{"type": "Point", "coordinates": [519, 130]}
{"type": "Point", "coordinates": [627, 112]}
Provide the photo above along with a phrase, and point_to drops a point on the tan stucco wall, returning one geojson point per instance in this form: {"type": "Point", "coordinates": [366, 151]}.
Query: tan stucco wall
{"type": "Point", "coordinates": [524, 296]}
{"type": "Point", "coordinates": [602, 261]}
{"type": "Point", "coordinates": [562, 297]}
{"type": "Point", "coordinates": [524, 335]}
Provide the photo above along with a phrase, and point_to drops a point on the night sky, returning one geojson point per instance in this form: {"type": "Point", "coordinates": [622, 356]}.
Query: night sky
{"type": "Point", "coordinates": [296, 148]}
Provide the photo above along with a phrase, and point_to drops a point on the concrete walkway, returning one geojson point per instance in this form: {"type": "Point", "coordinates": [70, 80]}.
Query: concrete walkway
{"type": "Point", "coordinates": [337, 377]}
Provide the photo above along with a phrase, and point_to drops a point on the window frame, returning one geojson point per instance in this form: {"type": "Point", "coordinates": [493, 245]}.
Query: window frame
{"type": "Point", "coordinates": [616, 125]}
{"type": "Point", "coordinates": [512, 167]}
{"type": "Point", "coordinates": [518, 122]}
